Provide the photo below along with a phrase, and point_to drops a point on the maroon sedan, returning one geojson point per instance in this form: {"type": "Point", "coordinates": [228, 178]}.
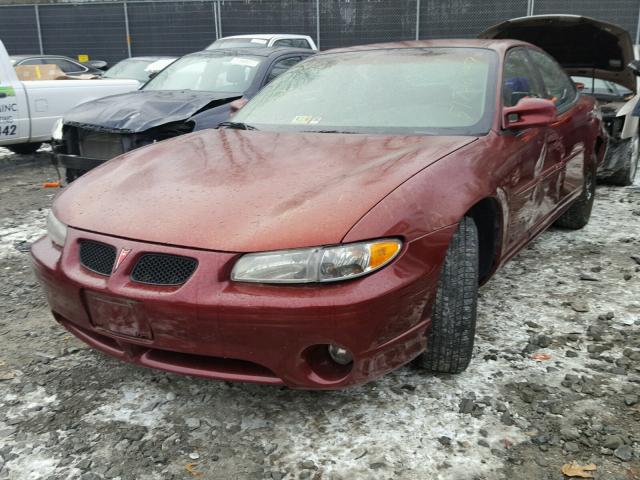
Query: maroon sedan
{"type": "Point", "coordinates": [338, 228]}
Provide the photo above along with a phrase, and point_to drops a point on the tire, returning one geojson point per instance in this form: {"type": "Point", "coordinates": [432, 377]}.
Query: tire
{"type": "Point", "coordinates": [579, 212]}
{"type": "Point", "coordinates": [453, 322]}
{"type": "Point", "coordinates": [24, 148]}
{"type": "Point", "coordinates": [627, 173]}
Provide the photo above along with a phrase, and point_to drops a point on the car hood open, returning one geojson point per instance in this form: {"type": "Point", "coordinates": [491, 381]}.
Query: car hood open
{"type": "Point", "coordinates": [143, 109]}
{"type": "Point", "coordinates": [242, 191]}
{"type": "Point", "coordinates": [583, 46]}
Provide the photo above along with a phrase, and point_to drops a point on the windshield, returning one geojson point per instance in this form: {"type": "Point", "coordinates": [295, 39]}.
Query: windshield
{"type": "Point", "coordinates": [238, 43]}
{"type": "Point", "coordinates": [208, 73]}
{"type": "Point", "coordinates": [417, 90]}
{"type": "Point", "coordinates": [602, 87]}
{"type": "Point", "coordinates": [130, 68]}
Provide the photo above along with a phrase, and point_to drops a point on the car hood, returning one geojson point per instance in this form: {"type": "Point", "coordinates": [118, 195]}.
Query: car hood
{"type": "Point", "coordinates": [242, 191]}
{"type": "Point", "coordinates": [583, 46]}
{"type": "Point", "coordinates": [143, 109]}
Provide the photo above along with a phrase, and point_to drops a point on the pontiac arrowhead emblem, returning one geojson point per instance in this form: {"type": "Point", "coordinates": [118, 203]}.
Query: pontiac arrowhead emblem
{"type": "Point", "coordinates": [121, 256]}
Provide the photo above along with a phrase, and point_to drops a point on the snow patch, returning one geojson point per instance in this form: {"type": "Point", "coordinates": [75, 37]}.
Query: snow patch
{"type": "Point", "coordinates": [136, 405]}
{"type": "Point", "coordinates": [31, 465]}
{"type": "Point", "coordinates": [15, 237]}
{"type": "Point", "coordinates": [30, 403]}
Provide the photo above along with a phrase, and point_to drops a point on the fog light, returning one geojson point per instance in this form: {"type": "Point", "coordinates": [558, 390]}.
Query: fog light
{"type": "Point", "coordinates": [340, 355]}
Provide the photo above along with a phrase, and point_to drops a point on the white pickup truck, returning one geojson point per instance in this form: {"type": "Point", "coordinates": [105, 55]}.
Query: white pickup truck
{"type": "Point", "coordinates": [29, 109]}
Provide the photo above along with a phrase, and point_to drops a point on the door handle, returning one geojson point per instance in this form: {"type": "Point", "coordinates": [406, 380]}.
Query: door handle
{"type": "Point", "coordinates": [3, 95]}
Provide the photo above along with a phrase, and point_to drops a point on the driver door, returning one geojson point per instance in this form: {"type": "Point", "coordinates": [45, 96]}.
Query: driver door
{"type": "Point", "coordinates": [565, 142]}
{"type": "Point", "coordinates": [526, 152]}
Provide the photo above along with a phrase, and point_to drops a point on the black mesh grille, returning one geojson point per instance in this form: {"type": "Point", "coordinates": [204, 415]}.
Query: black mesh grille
{"type": "Point", "coordinates": [162, 269]}
{"type": "Point", "coordinates": [97, 257]}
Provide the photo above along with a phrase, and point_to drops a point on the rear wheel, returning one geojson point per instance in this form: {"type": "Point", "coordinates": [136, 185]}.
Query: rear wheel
{"type": "Point", "coordinates": [453, 322]}
{"type": "Point", "coordinates": [579, 212]}
{"type": "Point", "coordinates": [627, 173]}
{"type": "Point", "coordinates": [24, 148]}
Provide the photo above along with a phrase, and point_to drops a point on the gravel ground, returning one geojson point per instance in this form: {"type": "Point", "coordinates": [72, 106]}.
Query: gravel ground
{"type": "Point", "coordinates": [67, 412]}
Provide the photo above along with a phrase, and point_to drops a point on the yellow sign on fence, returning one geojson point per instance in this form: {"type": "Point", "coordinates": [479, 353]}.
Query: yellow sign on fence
{"type": "Point", "coordinates": [83, 58]}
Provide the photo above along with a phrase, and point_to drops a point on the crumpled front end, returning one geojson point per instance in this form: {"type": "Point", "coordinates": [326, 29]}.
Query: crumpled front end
{"type": "Point", "coordinates": [97, 131]}
{"type": "Point", "coordinates": [84, 147]}
{"type": "Point", "coordinates": [620, 129]}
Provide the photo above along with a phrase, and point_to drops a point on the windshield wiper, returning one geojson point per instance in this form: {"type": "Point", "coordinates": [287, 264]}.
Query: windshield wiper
{"type": "Point", "coordinates": [237, 125]}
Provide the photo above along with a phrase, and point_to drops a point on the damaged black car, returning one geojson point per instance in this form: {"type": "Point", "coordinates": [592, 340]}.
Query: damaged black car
{"type": "Point", "coordinates": [193, 93]}
{"type": "Point", "coordinates": [600, 58]}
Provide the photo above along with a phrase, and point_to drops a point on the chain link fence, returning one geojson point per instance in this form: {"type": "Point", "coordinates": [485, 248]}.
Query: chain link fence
{"type": "Point", "coordinates": [112, 30]}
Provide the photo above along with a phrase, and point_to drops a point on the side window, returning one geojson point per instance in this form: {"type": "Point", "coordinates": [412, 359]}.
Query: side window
{"type": "Point", "coordinates": [558, 85]}
{"type": "Point", "coordinates": [284, 42]}
{"type": "Point", "coordinates": [67, 66]}
{"type": "Point", "coordinates": [301, 43]}
{"type": "Point", "coordinates": [280, 67]}
{"type": "Point", "coordinates": [32, 61]}
{"type": "Point", "coordinates": [519, 79]}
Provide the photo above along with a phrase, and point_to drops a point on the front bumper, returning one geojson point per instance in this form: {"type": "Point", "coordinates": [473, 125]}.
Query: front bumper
{"type": "Point", "coordinates": [215, 328]}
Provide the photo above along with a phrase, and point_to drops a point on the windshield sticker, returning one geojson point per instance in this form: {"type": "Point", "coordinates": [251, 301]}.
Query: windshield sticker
{"type": "Point", "coordinates": [261, 41]}
{"type": "Point", "coordinates": [245, 62]}
{"type": "Point", "coordinates": [302, 119]}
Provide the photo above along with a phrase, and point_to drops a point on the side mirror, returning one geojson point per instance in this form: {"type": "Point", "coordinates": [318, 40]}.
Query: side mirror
{"type": "Point", "coordinates": [635, 67]}
{"type": "Point", "coordinates": [529, 112]}
{"type": "Point", "coordinates": [238, 104]}
{"type": "Point", "coordinates": [579, 85]}
{"type": "Point", "coordinates": [99, 64]}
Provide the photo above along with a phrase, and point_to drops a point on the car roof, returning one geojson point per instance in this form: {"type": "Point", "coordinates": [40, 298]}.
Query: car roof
{"type": "Point", "coordinates": [256, 52]}
{"type": "Point", "coordinates": [491, 44]}
{"type": "Point", "coordinates": [149, 58]}
{"type": "Point", "coordinates": [267, 36]}
{"type": "Point", "coordinates": [37, 55]}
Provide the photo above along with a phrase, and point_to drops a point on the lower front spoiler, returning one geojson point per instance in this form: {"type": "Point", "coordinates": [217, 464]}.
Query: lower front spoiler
{"type": "Point", "coordinates": [174, 362]}
{"type": "Point", "coordinates": [370, 365]}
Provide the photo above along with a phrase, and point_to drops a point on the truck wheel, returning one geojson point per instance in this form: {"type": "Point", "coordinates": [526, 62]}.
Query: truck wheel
{"type": "Point", "coordinates": [24, 148]}
{"type": "Point", "coordinates": [627, 173]}
{"type": "Point", "coordinates": [579, 212]}
{"type": "Point", "coordinates": [453, 321]}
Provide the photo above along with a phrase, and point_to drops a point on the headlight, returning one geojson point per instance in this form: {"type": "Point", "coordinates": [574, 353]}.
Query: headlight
{"type": "Point", "coordinates": [56, 132]}
{"type": "Point", "coordinates": [56, 230]}
{"type": "Point", "coordinates": [319, 264]}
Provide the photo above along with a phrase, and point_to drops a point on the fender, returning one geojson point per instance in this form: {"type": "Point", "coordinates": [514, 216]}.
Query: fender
{"type": "Point", "coordinates": [422, 206]}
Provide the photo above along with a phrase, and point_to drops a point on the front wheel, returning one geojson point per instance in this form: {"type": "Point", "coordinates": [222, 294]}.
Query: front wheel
{"type": "Point", "coordinates": [579, 212]}
{"type": "Point", "coordinates": [24, 148]}
{"type": "Point", "coordinates": [453, 322]}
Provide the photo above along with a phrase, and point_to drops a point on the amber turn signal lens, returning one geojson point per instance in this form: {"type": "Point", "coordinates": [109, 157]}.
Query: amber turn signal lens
{"type": "Point", "coordinates": [382, 252]}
